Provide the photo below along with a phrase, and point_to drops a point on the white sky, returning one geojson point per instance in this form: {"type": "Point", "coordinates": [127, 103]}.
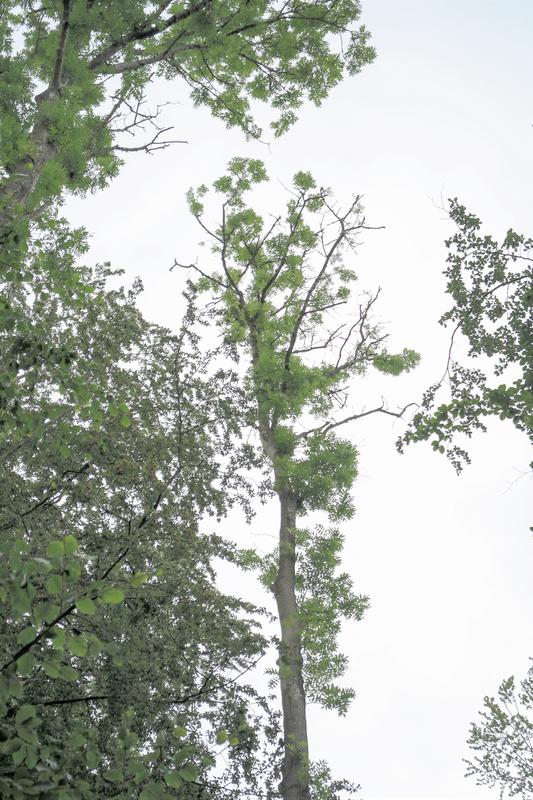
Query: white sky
{"type": "Point", "coordinates": [445, 110]}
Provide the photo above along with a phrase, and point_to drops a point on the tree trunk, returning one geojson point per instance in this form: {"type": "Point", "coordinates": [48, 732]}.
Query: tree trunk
{"type": "Point", "coordinates": [17, 189]}
{"type": "Point", "coordinates": [295, 768]}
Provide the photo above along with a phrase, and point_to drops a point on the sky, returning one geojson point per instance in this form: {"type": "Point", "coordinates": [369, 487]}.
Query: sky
{"type": "Point", "coordinates": [444, 111]}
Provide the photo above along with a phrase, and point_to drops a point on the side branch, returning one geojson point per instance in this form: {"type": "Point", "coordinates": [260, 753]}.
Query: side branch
{"type": "Point", "coordinates": [144, 30]}
{"type": "Point", "coordinates": [328, 426]}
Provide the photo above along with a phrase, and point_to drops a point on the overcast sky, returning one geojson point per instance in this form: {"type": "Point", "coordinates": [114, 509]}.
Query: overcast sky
{"type": "Point", "coordinates": [444, 111]}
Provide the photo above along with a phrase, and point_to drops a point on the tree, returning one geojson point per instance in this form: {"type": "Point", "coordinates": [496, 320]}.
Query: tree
{"type": "Point", "coordinates": [96, 59]}
{"type": "Point", "coordinates": [278, 301]}
{"type": "Point", "coordinates": [122, 663]}
{"type": "Point", "coordinates": [490, 284]}
{"type": "Point", "coordinates": [503, 741]}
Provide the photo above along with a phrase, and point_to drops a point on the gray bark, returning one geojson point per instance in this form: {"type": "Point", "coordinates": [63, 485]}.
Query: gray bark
{"type": "Point", "coordinates": [295, 770]}
{"type": "Point", "coordinates": [20, 185]}
{"type": "Point", "coordinates": [17, 190]}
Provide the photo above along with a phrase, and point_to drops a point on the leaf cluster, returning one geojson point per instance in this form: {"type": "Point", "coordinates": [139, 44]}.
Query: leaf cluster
{"type": "Point", "coordinates": [490, 284]}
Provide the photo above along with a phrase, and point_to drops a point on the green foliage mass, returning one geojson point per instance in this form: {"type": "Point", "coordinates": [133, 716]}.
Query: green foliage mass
{"type": "Point", "coordinates": [321, 475]}
{"type": "Point", "coordinates": [120, 655]}
{"type": "Point", "coordinates": [96, 60]}
{"type": "Point", "coordinates": [326, 598]}
{"type": "Point", "coordinates": [490, 284]}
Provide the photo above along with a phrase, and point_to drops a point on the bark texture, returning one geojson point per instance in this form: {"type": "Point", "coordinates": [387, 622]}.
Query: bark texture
{"type": "Point", "coordinates": [295, 769]}
{"type": "Point", "coordinates": [17, 190]}
{"type": "Point", "coordinates": [19, 187]}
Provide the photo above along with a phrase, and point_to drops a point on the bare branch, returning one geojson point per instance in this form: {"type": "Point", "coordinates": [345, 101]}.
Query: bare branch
{"type": "Point", "coordinates": [197, 269]}
{"type": "Point", "coordinates": [323, 345]}
{"type": "Point", "coordinates": [318, 278]}
{"type": "Point", "coordinates": [328, 426]}
{"type": "Point", "coordinates": [153, 145]}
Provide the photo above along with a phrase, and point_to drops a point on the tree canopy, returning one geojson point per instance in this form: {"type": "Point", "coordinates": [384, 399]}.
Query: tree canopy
{"type": "Point", "coordinates": [121, 658]}
{"type": "Point", "coordinates": [75, 75]}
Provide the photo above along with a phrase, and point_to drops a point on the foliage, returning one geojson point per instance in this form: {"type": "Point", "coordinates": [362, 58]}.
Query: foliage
{"type": "Point", "coordinates": [121, 665]}
{"type": "Point", "coordinates": [324, 787]}
{"type": "Point", "coordinates": [322, 609]}
{"type": "Point", "coordinates": [96, 60]}
{"type": "Point", "coordinates": [490, 284]}
{"type": "Point", "coordinates": [503, 741]}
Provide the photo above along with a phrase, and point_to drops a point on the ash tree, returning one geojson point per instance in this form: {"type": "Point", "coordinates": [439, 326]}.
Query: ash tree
{"type": "Point", "coordinates": [282, 299]}
{"type": "Point", "coordinates": [75, 75]}
{"type": "Point", "coordinates": [124, 669]}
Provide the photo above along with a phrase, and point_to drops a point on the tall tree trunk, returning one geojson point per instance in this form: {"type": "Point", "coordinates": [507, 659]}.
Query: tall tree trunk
{"type": "Point", "coordinates": [295, 769]}
{"type": "Point", "coordinates": [17, 189]}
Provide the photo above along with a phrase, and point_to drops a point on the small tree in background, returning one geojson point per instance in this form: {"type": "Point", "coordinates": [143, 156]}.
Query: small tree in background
{"type": "Point", "coordinates": [491, 285]}
{"type": "Point", "coordinates": [503, 741]}
{"type": "Point", "coordinates": [283, 301]}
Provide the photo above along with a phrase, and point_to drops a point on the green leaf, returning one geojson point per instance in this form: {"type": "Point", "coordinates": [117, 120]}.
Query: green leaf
{"type": "Point", "coordinates": [58, 638]}
{"type": "Point", "coordinates": [32, 756]}
{"type": "Point", "coordinates": [68, 673]}
{"type": "Point", "coordinates": [70, 543]}
{"type": "Point", "coordinates": [138, 579]}
{"type": "Point", "coordinates": [55, 550]}
{"type": "Point", "coordinates": [92, 757]}
{"type": "Point", "coordinates": [25, 664]}
{"type": "Point", "coordinates": [173, 779]}
{"type": "Point", "coordinates": [137, 771]}
{"type": "Point", "coordinates": [113, 776]}
{"type": "Point", "coordinates": [189, 773]}
{"type": "Point", "coordinates": [112, 596]}
{"type": "Point", "coordinates": [20, 600]}
{"type": "Point", "coordinates": [86, 605]}
{"type": "Point", "coordinates": [72, 569]}
{"type": "Point", "coordinates": [180, 732]}
{"type": "Point", "coordinates": [42, 565]}
{"type": "Point", "coordinates": [78, 646]}
{"type": "Point", "coordinates": [26, 636]}
{"type": "Point", "coordinates": [150, 792]}
{"type": "Point", "coordinates": [54, 584]}
{"type": "Point", "coordinates": [19, 755]}
{"type": "Point", "coordinates": [51, 668]}
{"type": "Point", "coordinates": [24, 713]}
{"type": "Point", "coordinates": [45, 612]}
{"type": "Point", "coordinates": [76, 741]}
{"type": "Point", "coordinates": [222, 736]}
